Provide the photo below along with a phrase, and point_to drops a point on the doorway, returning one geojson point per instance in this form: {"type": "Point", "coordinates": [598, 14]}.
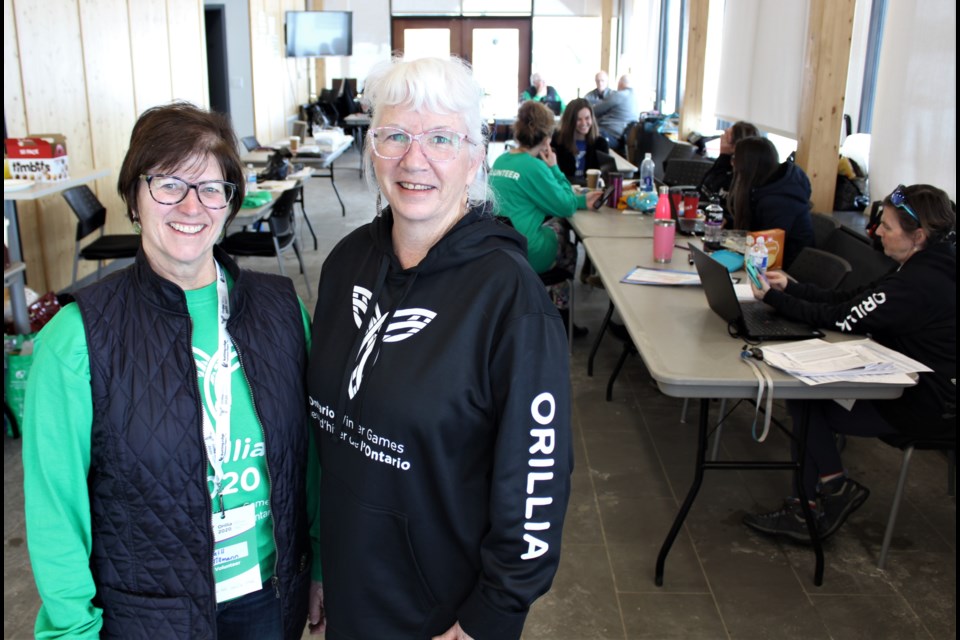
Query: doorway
{"type": "Point", "coordinates": [217, 78]}
{"type": "Point", "coordinates": [497, 48]}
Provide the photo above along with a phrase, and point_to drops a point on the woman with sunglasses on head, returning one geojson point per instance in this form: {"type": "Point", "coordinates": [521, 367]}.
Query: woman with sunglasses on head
{"type": "Point", "coordinates": [442, 400]}
{"type": "Point", "coordinates": [912, 310]}
{"type": "Point", "coordinates": [166, 440]}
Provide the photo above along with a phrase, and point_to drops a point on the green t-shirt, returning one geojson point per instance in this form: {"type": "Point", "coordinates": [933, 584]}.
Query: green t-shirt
{"type": "Point", "coordinates": [528, 192]}
{"type": "Point", "coordinates": [58, 420]}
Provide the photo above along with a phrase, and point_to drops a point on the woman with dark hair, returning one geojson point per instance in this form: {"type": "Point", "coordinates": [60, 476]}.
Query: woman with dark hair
{"type": "Point", "coordinates": [716, 182]}
{"type": "Point", "coordinates": [767, 194]}
{"type": "Point", "coordinates": [534, 194]}
{"type": "Point", "coordinates": [912, 310]}
{"type": "Point", "coordinates": [446, 449]}
{"type": "Point", "coordinates": [166, 446]}
{"type": "Point", "coordinates": [577, 141]}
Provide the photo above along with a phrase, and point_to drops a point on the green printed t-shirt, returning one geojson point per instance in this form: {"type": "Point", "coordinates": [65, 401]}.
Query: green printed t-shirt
{"type": "Point", "coordinates": [245, 479]}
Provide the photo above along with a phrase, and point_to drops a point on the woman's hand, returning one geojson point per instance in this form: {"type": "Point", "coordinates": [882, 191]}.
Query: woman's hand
{"type": "Point", "coordinates": [777, 280]}
{"type": "Point", "coordinates": [316, 616]}
{"type": "Point", "coordinates": [453, 633]}
{"type": "Point", "coordinates": [764, 287]}
{"type": "Point", "coordinates": [592, 197]}
{"type": "Point", "coordinates": [547, 155]}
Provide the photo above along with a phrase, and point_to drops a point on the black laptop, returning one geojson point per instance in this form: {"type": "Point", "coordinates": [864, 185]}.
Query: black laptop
{"type": "Point", "coordinates": [754, 320]}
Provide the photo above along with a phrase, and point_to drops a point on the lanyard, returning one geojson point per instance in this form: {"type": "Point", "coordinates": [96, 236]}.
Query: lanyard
{"type": "Point", "coordinates": [216, 418]}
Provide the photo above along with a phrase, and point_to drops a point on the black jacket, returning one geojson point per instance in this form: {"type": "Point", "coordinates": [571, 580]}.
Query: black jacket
{"type": "Point", "coordinates": [912, 310]}
{"type": "Point", "coordinates": [152, 556]}
{"type": "Point", "coordinates": [444, 428]}
{"type": "Point", "coordinates": [568, 161]}
{"type": "Point", "coordinates": [783, 202]}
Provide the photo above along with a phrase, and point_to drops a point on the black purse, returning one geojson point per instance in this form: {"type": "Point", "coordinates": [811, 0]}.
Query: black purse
{"type": "Point", "coordinates": [278, 165]}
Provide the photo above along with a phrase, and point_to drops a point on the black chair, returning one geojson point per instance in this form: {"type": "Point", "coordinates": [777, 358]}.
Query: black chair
{"type": "Point", "coordinates": [867, 264]}
{"type": "Point", "coordinates": [824, 269]}
{"type": "Point", "coordinates": [275, 242]}
{"type": "Point", "coordinates": [92, 216]}
{"type": "Point", "coordinates": [680, 172]}
{"type": "Point", "coordinates": [556, 276]}
{"type": "Point", "coordinates": [619, 332]}
{"type": "Point", "coordinates": [909, 444]}
{"type": "Point", "coordinates": [824, 225]}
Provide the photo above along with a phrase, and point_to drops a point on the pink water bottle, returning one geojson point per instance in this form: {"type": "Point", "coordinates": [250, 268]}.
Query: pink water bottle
{"type": "Point", "coordinates": [663, 205]}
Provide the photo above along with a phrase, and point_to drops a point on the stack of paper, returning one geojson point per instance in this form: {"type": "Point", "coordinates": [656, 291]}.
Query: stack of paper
{"type": "Point", "coordinates": [819, 362]}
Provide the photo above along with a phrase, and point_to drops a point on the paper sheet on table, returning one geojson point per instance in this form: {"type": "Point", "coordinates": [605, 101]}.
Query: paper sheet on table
{"type": "Point", "coordinates": [819, 362]}
{"type": "Point", "coordinates": [744, 293]}
{"type": "Point", "coordinates": [642, 275]}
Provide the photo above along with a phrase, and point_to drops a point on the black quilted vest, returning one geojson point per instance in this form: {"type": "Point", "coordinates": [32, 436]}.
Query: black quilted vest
{"type": "Point", "coordinates": [152, 542]}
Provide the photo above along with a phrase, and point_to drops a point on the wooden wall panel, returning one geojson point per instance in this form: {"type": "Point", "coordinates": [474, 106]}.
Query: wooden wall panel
{"type": "Point", "coordinates": [54, 93]}
{"type": "Point", "coordinates": [16, 120]}
{"type": "Point", "coordinates": [188, 51]}
{"type": "Point", "coordinates": [88, 68]}
{"type": "Point", "coordinates": [110, 97]}
{"type": "Point", "coordinates": [149, 54]}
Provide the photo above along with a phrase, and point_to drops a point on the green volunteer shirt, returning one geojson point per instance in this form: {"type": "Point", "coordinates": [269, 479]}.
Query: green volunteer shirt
{"type": "Point", "coordinates": [528, 192]}
{"type": "Point", "coordinates": [56, 462]}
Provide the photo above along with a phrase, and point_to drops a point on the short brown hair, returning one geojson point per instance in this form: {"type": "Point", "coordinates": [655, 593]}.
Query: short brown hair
{"type": "Point", "coordinates": [167, 137]}
{"type": "Point", "coordinates": [938, 215]}
{"type": "Point", "coordinates": [534, 123]}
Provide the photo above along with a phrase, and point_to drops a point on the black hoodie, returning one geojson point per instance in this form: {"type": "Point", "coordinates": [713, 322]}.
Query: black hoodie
{"type": "Point", "coordinates": [783, 202]}
{"type": "Point", "coordinates": [445, 484]}
{"type": "Point", "coordinates": [912, 310]}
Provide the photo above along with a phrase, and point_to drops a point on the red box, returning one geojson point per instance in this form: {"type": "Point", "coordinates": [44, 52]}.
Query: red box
{"type": "Point", "coordinates": [42, 145]}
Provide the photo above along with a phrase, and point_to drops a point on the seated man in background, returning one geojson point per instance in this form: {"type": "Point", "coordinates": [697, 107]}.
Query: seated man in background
{"type": "Point", "coordinates": [540, 91]}
{"type": "Point", "coordinates": [616, 112]}
{"type": "Point", "coordinates": [603, 90]}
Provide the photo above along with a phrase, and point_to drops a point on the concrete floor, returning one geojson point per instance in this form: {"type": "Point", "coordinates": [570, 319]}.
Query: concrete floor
{"type": "Point", "coordinates": [634, 463]}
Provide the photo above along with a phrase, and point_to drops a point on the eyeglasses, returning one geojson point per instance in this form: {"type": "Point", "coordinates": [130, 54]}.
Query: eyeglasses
{"type": "Point", "coordinates": [899, 199]}
{"type": "Point", "coordinates": [439, 145]}
{"type": "Point", "coordinates": [213, 194]}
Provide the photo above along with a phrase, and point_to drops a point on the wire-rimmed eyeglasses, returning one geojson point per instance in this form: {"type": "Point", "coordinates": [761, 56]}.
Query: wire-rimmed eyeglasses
{"type": "Point", "coordinates": [213, 194]}
{"type": "Point", "coordinates": [438, 145]}
{"type": "Point", "coordinates": [899, 199]}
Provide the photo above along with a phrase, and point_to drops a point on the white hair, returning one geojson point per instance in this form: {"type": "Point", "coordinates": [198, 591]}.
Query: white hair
{"type": "Point", "coordinates": [438, 85]}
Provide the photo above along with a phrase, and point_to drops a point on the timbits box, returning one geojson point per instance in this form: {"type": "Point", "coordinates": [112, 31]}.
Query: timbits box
{"type": "Point", "coordinates": [41, 157]}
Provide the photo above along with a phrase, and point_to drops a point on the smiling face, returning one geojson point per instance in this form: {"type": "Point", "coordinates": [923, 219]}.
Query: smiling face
{"type": "Point", "coordinates": [178, 239]}
{"type": "Point", "coordinates": [425, 194]}
{"type": "Point", "coordinates": [584, 122]}
{"type": "Point", "coordinates": [898, 243]}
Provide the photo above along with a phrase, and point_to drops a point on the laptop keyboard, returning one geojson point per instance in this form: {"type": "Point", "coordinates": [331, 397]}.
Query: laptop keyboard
{"type": "Point", "coordinates": [762, 320]}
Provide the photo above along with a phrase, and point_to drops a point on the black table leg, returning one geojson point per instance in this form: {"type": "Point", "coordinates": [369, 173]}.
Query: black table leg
{"type": "Point", "coordinates": [691, 494]}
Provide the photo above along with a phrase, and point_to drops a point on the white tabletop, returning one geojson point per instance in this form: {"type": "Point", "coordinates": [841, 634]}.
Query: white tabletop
{"type": "Point", "coordinates": [42, 189]}
{"type": "Point", "coordinates": [683, 343]}
{"type": "Point", "coordinates": [612, 223]}
{"type": "Point", "coordinates": [260, 158]}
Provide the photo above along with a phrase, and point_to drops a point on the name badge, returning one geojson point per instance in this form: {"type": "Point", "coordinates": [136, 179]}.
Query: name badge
{"type": "Point", "coordinates": [236, 560]}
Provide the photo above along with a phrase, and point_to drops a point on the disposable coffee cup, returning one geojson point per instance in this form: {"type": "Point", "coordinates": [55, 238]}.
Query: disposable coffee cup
{"type": "Point", "coordinates": [294, 143]}
{"type": "Point", "coordinates": [593, 178]}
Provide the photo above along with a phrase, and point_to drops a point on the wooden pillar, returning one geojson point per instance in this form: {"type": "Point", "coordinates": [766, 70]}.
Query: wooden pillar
{"type": "Point", "coordinates": [691, 111]}
{"type": "Point", "coordinates": [829, 30]}
{"type": "Point", "coordinates": [608, 38]}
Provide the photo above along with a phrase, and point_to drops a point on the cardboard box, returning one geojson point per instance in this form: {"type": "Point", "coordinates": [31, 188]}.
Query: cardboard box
{"type": "Point", "coordinates": [41, 157]}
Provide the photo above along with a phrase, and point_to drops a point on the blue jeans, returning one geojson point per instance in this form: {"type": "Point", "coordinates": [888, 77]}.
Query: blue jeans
{"type": "Point", "coordinates": [255, 616]}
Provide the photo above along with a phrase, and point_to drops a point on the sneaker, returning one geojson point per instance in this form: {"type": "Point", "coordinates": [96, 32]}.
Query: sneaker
{"type": "Point", "coordinates": [580, 332]}
{"type": "Point", "coordinates": [788, 521]}
{"type": "Point", "coordinates": [838, 499]}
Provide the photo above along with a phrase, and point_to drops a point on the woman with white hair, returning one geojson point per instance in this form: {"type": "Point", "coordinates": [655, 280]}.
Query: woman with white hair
{"type": "Point", "coordinates": [438, 386]}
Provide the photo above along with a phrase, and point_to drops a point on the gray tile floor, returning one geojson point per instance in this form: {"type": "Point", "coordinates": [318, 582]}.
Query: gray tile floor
{"type": "Point", "coordinates": [634, 463]}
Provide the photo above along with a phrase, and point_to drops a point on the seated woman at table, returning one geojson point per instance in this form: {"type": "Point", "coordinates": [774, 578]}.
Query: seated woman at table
{"type": "Point", "coordinates": [717, 180]}
{"type": "Point", "coordinates": [171, 393]}
{"type": "Point", "coordinates": [533, 193]}
{"type": "Point", "coordinates": [912, 310]}
{"type": "Point", "coordinates": [577, 141]}
{"type": "Point", "coordinates": [768, 194]}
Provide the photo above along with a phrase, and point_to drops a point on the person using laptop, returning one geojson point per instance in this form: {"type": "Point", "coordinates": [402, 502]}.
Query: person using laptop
{"type": "Point", "coordinates": [912, 310]}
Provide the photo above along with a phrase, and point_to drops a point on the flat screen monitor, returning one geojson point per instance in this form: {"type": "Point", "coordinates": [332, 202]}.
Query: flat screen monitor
{"type": "Point", "coordinates": [312, 34]}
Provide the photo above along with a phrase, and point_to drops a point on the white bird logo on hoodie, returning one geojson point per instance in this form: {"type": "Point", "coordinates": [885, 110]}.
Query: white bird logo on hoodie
{"type": "Point", "coordinates": [403, 324]}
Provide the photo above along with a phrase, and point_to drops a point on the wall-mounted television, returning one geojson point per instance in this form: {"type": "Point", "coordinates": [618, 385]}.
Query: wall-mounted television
{"type": "Point", "coordinates": [312, 34]}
